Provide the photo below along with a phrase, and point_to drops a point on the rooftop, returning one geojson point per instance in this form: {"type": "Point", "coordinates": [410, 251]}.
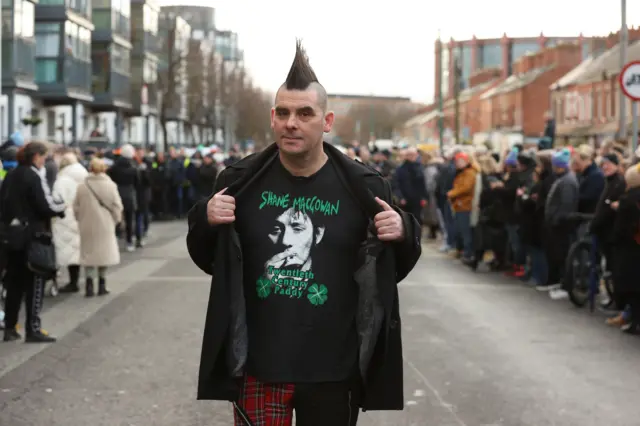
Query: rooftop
{"type": "Point", "coordinates": [516, 81]}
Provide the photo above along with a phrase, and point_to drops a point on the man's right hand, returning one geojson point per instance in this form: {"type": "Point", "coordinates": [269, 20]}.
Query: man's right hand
{"type": "Point", "coordinates": [221, 209]}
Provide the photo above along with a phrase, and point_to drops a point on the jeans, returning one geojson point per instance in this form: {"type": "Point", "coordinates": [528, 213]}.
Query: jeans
{"type": "Point", "coordinates": [517, 254]}
{"type": "Point", "coordinates": [463, 230]}
{"type": "Point", "coordinates": [539, 266]}
{"type": "Point", "coordinates": [449, 224]}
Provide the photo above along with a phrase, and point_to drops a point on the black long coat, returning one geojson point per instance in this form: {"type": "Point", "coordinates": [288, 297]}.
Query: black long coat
{"type": "Point", "coordinates": [216, 250]}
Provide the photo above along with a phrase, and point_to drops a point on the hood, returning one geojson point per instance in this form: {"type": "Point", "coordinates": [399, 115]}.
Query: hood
{"type": "Point", "coordinates": [75, 171]}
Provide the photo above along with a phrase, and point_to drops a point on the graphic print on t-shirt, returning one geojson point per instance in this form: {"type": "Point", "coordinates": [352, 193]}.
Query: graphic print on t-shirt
{"type": "Point", "coordinates": [296, 233]}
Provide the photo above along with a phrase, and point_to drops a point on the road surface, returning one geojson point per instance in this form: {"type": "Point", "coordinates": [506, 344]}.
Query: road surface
{"type": "Point", "coordinates": [480, 350]}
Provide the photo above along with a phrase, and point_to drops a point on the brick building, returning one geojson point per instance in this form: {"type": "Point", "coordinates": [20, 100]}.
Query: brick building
{"type": "Point", "coordinates": [502, 53]}
{"type": "Point", "coordinates": [519, 103]}
{"type": "Point", "coordinates": [585, 101]}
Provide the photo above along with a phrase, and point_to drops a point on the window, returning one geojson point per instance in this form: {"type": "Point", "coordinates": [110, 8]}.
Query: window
{"type": "Point", "coordinates": [120, 59]}
{"type": "Point", "coordinates": [101, 68]}
{"type": "Point", "coordinates": [466, 66]}
{"type": "Point", "coordinates": [150, 19]}
{"type": "Point", "coordinates": [101, 4]}
{"type": "Point", "coordinates": [46, 70]}
{"type": "Point", "coordinates": [102, 19]}
{"type": "Point", "coordinates": [47, 40]}
{"type": "Point", "coordinates": [519, 49]}
{"type": "Point", "coordinates": [28, 19]}
{"type": "Point", "coordinates": [71, 38]}
{"type": "Point", "coordinates": [150, 73]}
{"type": "Point", "coordinates": [491, 55]}
{"type": "Point", "coordinates": [17, 17]}
{"type": "Point", "coordinates": [51, 122]}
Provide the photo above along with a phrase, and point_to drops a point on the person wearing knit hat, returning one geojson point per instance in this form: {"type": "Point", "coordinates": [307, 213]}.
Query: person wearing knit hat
{"type": "Point", "coordinates": [512, 158]}
{"type": "Point", "coordinates": [561, 159]}
{"type": "Point", "coordinates": [561, 204]}
{"type": "Point", "coordinates": [626, 251]}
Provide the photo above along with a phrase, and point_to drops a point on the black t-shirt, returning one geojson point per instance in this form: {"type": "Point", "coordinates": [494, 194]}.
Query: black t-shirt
{"type": "Point", "coordinates": [300, 238]}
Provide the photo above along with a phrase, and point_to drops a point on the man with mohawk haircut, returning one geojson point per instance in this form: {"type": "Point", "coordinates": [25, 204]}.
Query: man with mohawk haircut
{"type": "Point", "coordinates": [305, 252]}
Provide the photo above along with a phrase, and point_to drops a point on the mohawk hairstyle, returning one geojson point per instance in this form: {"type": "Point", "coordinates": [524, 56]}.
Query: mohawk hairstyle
{"type": "Point", "coordinates": [301, 75]}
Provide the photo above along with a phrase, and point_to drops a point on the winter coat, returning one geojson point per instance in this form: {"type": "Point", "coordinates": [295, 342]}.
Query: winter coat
{"type": "Point", "coordinates": [66, 236]}
{"type": "Point", "coordinates": [463, 191]}
{"type": "Point", "coordinates": [98, 243]}
{"type": "Point", "coordinates": [626, 248]}
{"type": "Point", "coordinates": [430, 215]}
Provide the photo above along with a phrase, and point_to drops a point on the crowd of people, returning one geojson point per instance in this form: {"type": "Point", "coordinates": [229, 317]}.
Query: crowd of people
{"type": "Point", "coordinates": [62, 208]}
{"type": "Point", "coordinates": [520, 211]}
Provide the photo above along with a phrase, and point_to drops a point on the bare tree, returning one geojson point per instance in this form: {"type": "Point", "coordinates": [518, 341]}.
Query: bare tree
{"type": "Point", "coordinates": [377, 118]}
{"type": "Point", "coordinates": [212, 91]}
{"type": "Point", "coordinates": [171, 76]}
{"type": "Point", "coordinates": [197, 83]}
{"type": "Point", "coordinates": [253, 107]}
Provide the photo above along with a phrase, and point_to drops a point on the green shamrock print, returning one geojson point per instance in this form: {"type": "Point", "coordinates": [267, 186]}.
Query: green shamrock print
{"type": "Point", "coordinates": [263, 287]}
{"type": "Point", "coordinates": [317, 294]}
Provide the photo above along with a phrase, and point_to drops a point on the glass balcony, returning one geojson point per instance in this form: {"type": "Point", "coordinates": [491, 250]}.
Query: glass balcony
{"type": "Point", "coordinates": [120, 86]}
{"type": "Point", "coordinates": [77, 73]}
{"type": "Point", "coordinates": [18, 58]}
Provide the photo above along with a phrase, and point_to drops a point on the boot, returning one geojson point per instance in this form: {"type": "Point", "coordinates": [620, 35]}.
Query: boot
{"type": "Point", "coordinates": [89, 288]}
{"type": "Point", "coordinates": [102, 287]}
{"type": "Point", "coordinates": [74, 275]}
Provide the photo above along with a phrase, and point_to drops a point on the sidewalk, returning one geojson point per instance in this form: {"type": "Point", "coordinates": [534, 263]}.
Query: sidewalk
{"type": "Point", "coordinates": [63, 313]}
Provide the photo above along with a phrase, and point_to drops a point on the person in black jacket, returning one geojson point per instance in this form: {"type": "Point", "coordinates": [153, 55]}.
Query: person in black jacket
{"type": "Point", "coordinates": [124, 173]}
{"type": "Point", "coordinates": [25, 199]}
{"type": "Point", "coordinates": [601, 227]}
{"type": "Point", "coordinates": [305, 253]}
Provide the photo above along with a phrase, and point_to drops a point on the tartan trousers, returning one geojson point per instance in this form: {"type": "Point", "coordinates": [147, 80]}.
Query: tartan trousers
{"type": "Point", "coordinates": [315, 404]}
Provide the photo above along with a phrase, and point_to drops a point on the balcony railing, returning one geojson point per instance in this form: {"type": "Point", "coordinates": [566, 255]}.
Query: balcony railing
{"type": "Point", "coordinates": [18, 58]}
{"type": "Point", "coordinates": [77, 73]}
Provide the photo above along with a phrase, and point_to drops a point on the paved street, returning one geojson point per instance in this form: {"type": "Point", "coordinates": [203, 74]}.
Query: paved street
{"type": "Point", "coordinates": [480, 350]}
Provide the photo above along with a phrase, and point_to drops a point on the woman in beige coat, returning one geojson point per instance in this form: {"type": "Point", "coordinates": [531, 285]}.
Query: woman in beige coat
{"type": "Point", "coordinates": [98, 209]}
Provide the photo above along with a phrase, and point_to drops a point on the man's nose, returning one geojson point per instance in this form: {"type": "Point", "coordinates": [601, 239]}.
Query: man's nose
{"type": "Point", "coordinates": [292, 122]}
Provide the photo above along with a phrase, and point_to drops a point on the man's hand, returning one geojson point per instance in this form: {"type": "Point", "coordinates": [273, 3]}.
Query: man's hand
{"type": "Point", "coordinates": [388, 223]}
{"type": "Point", "coordinates": [221, 209]}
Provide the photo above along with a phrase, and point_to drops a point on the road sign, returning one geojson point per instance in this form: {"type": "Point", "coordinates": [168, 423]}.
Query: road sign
{"type": "Point", "coordinates": [630, 85]}
{"type": "Point", "coordinates": [629, 80]}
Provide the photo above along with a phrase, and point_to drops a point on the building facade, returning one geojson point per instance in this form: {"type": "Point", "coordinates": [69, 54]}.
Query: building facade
{"type": "Point", "coordinates": [499, 53]}
{"type": "Point", "coordinates": [74, 69]}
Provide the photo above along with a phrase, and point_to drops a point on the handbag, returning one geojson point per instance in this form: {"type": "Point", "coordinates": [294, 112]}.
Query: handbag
{"type": "Point", "coordinates": [41, 255]}
{"type": "Point", "coordinates": [103, 205]}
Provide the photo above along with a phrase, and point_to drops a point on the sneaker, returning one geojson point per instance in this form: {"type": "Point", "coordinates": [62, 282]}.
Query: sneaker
{"type": "Point", "coordinates": [444, 248]}
{"type": "Point", "coordinates": [544, 287]}
{"type": "Point", "coordinates": [130, 248]}
{"type": "Point", "coordinates": [558, 294]}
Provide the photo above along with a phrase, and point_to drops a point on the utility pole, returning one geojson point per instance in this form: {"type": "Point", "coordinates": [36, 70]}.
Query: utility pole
{"type": "Point", "coordinates": [456, 94]}
{"type": "Point", "coordinates": [440, 96]}
{"type": "Point", "coordinates": [624, 41]}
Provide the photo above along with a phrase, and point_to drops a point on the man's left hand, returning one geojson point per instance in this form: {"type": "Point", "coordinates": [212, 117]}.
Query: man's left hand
{"type": "Point", "coordinates": [388, 223]}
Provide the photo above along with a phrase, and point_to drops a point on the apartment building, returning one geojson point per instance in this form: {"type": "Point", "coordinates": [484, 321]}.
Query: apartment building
{"type": "Point", "coordinates": [73, 68]}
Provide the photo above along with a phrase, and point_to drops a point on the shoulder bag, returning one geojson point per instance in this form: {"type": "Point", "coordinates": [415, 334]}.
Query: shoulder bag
{"type": "Point", "coordinates": [103, 205]}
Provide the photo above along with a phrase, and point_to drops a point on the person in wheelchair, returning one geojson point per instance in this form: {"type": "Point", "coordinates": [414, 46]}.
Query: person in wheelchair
{"type": "Point", "coordinates": [601, 227]}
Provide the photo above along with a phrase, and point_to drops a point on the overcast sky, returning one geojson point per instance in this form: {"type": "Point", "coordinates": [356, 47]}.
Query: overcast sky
{"type": "Point", "coordinates": [386, 47]}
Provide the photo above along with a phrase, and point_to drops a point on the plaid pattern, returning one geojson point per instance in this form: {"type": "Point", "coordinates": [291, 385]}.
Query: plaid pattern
{"type": "Point", "coordinates": [266, 404]}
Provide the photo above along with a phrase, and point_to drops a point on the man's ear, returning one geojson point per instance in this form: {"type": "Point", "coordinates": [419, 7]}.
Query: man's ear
{"type": "Point", "coordinates": [319, 233]}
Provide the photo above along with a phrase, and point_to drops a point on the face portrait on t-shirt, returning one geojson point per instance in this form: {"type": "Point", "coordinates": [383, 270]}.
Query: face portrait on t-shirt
{"type": "Point", "coordinates": [294, 236]}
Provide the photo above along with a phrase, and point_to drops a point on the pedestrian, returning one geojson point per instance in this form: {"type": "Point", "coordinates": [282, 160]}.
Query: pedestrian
{"type": "Point", "coordinates": [306, 252]}
{"type": "Point", "coordinates": [27, 216]}
{"type": "Point", "coordinates": [98, 209]}
{"type": "Point", "coordinates": [66, 236]}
